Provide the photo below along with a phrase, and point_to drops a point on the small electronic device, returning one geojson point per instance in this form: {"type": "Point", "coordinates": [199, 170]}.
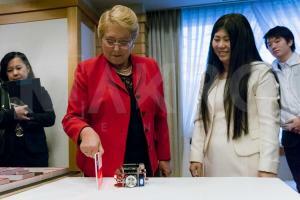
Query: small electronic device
{"type": "Point", "coordinates": [130, 175]}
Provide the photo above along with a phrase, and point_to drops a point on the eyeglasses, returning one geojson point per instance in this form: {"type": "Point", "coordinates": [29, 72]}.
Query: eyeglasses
{"type": "Point", "coordinates": [123, 44]}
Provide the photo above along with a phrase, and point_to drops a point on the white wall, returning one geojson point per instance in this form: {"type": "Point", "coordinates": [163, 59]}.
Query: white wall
{"type": "Point", "coordinates": [88, 47]}
{"type": "Point", "coordinates": [45, 43]}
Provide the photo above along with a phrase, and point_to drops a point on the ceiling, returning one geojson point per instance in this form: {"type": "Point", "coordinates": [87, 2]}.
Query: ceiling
{"type": "Point", "coordinates": [149, 5]}
{"type": "Point", "coordinates": [98, 6]}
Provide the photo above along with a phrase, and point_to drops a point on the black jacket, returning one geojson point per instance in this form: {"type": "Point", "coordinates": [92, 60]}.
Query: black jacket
{"type": "Point", "coordinates": [34, 135]}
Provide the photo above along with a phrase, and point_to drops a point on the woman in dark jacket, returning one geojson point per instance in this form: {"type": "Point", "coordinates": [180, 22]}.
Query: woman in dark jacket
{"type": "Point", "coordinates": [23, 139]}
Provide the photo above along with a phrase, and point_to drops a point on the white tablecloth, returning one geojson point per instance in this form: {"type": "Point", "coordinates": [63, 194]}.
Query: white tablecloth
{"type": "Point", "coordinates": [243, 188]}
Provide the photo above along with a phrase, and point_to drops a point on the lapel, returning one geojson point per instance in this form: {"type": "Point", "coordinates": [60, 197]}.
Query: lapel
{"type": "Point", "coordinates": [137, 72]}
{"type": "Point", "coordinates": [212, 97]}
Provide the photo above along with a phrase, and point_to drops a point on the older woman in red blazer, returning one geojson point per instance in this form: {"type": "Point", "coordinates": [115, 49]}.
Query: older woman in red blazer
{"type": "Point", "coordinates": [117, 103]}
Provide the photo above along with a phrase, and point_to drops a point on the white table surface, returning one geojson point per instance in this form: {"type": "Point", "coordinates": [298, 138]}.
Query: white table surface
{"type": "Point", "coordinates": [242, 188]}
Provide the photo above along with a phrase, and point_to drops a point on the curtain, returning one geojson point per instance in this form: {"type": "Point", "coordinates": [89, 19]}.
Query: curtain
{"type": "Point", "coordinates": [196, 27]}
{"type": "Point", "coordinates": [276, 13]}
{"type": "Point", "coordinates": [163, 45]}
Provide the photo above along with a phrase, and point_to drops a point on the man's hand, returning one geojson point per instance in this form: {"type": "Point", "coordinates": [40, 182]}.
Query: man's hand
{"type": "Point", "coordinates": [90, 142]}
{"type": "Point", "coordinates": [293, 125]}
{"type": "Point", "coordinates": [165, 168]}
{"type": "Point", "coordinates": [196, 169]}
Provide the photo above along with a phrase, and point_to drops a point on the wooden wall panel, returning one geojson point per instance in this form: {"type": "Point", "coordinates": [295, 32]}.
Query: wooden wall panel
{"type": "Point", "coordinates": [32, 16]}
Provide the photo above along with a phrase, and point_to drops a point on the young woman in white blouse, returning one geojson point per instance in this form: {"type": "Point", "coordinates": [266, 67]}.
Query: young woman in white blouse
{"type": "Point", "coordinates": [237, 121]}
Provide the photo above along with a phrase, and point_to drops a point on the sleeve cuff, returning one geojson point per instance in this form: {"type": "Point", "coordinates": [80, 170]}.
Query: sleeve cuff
{"type": "Point", "coordinates": [269, 166]}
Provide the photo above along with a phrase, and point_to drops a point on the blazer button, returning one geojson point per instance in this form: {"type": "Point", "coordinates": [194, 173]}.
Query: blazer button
{"type": "Point", "coordinates": [137, 96]}
{"type": "Point", "coordinates": [146, 130]}
{"type": "Point", "coordinates": [143, 113]}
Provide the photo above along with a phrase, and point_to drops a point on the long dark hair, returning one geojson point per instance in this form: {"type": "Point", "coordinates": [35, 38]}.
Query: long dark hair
{"type": "Point", "coordinates": [243, 52]}
{"type": "Point", "coordinates": [7, 58]}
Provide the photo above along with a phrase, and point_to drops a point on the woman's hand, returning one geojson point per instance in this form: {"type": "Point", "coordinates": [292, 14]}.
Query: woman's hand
{"type": "Point", "coordinates": [21, 112]}
{"type": "Point", "coordinates": [265, 174]}
{"type": "Point", "coordinates": [196, 169]}
{"type": "Point", "coordinates": [165, 168]}
{"type": "Point", "coordinates": [90, 142]}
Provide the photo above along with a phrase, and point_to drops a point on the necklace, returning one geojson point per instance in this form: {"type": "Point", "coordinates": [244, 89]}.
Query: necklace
{"type": "Point", "coordinates": [124, 71]}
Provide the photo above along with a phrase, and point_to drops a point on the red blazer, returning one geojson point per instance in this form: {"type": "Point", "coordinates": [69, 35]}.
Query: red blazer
{"type": "Point", "coordinates": [99, 99]}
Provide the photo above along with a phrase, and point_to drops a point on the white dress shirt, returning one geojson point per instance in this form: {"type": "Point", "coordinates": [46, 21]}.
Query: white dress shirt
{"type": "Point", "coordinates": [289, 77]}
